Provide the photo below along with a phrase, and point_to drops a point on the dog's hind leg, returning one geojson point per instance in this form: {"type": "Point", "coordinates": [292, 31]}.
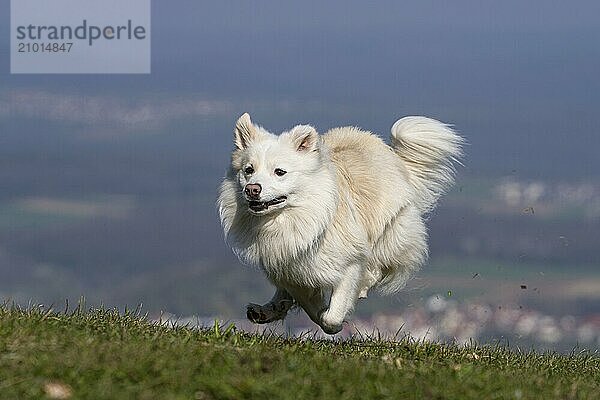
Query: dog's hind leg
{"type": "Point", "coordinates": [312, 301]}
{"type": "Point", "coordinates": [274, 310]}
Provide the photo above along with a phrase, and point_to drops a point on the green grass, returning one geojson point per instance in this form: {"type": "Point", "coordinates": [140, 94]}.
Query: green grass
{"type": "Point", "coordinates": [101, 354]}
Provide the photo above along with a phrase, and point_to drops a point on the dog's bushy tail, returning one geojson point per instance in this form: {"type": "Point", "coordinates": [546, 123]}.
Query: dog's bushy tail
{"type": "Point", "coordinates": [430, 151]}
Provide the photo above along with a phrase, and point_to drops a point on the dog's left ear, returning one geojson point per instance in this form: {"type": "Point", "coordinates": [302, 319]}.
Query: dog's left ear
{"type": "Point", "coordinates": [304, 138]}
{"type": "Point", "coordinates": [244, 132]}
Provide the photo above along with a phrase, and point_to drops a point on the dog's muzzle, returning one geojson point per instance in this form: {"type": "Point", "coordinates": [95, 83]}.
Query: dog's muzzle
{"type": "Point", "coordinates": [257, 206]}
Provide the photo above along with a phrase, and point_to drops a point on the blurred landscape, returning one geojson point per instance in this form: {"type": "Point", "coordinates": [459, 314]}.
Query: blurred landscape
{"type": "Point", "coordinates": [108, 183]}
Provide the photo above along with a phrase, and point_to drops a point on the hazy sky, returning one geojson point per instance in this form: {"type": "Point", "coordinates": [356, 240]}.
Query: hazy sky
{"type": "Point", "coordinates": [519, 79]}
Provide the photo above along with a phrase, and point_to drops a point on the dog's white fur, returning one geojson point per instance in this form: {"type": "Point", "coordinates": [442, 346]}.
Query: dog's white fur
{"type": "Point", "coordinates": [353, 218]}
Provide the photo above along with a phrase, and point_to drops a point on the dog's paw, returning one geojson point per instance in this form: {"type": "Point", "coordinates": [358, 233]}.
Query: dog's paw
{"type": "Point", "coordinates": [267, 313]}
{"type": "Point", "coordinates": [330, 324]}
{"type": "Point", "coordinates": [256, 313]}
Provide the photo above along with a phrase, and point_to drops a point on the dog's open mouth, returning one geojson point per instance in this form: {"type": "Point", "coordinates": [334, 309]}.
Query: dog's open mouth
{"type": "Point", "coordinates": [263, 205]}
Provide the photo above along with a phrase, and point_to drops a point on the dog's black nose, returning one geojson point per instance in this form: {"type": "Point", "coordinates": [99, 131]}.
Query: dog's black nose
{"type": "Point", "coordinates": [253, 190]}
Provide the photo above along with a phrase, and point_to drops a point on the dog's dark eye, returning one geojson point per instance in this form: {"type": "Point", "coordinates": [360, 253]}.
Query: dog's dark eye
{"type": "Point", "coordinates": [249, 170]}
{"type": "Point", "coordinates": [280, 172]}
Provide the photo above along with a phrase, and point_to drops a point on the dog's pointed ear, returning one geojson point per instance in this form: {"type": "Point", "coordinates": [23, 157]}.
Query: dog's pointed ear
{"type": "Point", "coordinates": [245, 131]}
{"type": "Point", "coordinates": [304, 138]}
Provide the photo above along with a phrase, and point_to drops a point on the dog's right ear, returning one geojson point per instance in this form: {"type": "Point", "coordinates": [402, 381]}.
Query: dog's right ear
{"type": "Point", "coordinates": [245, 132]}
{"type": "Point", "coordinates": [304, 138]}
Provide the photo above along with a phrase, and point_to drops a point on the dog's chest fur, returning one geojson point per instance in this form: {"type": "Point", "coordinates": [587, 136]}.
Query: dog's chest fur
{"type": "Point", "coordinates": [295, 249]}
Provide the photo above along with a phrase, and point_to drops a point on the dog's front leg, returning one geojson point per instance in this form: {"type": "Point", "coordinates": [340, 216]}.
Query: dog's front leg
{"type": "Point", "coordinates": [343, 299]}
{"type": "Point", "coordinates": [274, 310]}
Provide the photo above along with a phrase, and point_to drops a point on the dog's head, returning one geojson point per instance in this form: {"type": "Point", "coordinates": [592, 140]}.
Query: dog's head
{"type": "Point", "coordinates": [274, 171]}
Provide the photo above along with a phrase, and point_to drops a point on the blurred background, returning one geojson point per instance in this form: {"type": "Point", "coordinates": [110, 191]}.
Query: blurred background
{"type": "Point", "coordinates": [108, 182]}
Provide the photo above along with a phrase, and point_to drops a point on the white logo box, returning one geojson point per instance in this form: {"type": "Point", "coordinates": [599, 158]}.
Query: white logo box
{"type": "Point", "coordinates": [80, 36]}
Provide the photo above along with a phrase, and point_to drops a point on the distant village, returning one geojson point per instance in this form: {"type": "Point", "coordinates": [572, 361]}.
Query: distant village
{"type": "Point", "coordinates": [442, 320]}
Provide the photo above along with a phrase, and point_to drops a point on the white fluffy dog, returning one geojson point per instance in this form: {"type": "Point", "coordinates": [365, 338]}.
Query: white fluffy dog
{"type": "Point", "coordinates": [328, 217]}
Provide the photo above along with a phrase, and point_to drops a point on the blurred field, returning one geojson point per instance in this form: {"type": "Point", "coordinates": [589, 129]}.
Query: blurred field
{"type": "Point", "coordinates": [41, 212]}
{"type": "Point", "coordinates": [128, 217]}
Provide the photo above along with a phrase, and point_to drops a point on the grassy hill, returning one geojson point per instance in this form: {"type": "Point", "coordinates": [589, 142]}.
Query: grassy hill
{"type": "Point", "coordinates": [102, 354]}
